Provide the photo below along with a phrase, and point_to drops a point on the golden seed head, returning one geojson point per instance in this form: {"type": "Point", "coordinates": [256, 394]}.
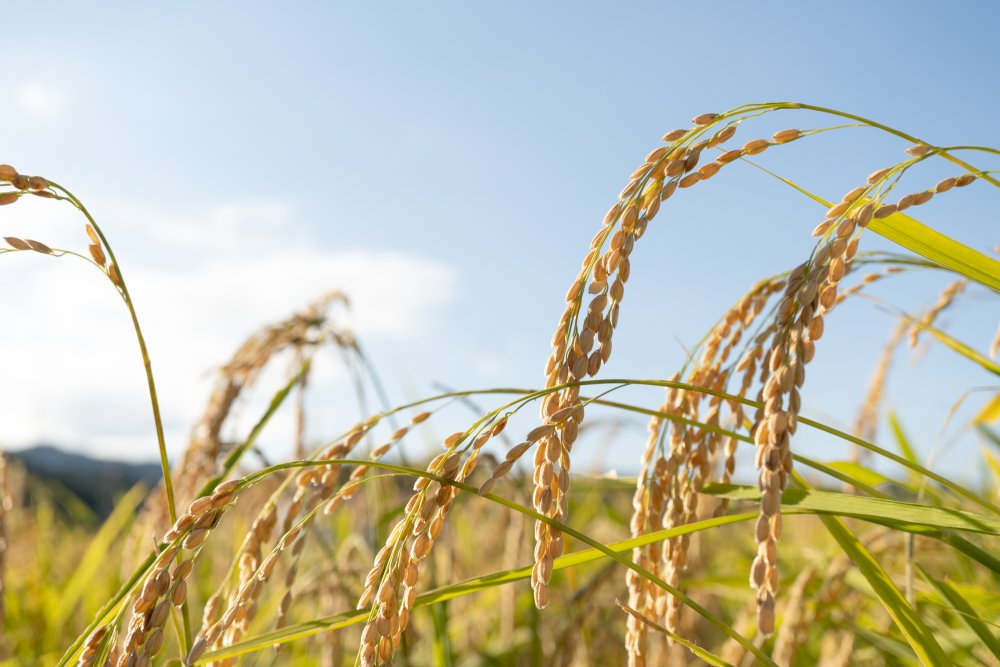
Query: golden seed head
{"type": "Point", "coordinates": [945, 185]}
{"type": "Point", "coordinates": [704, 118]}
{"type": "Point", "coordinates": [673, 168]}
{"type": "Point", "coordinates": [784, 136]}
{"type": "Point", "coordinates": [854, 194]}
{"type": "Point", "coordinates": [885, 210]}
{"type": "Point", "coordinates": [964, 180]}
{"type": "Point", "coordinates": [9, 198]}
{"type": "Point", "coordinates": [878, 175]}
{"type": "Point", "coordinates": [656, 154]}
{"type": "Point", "coordinates": [755, 146]}
{"type": "Point", "coordinates": [729, 156]}
{"type": "Point", "coordinates": [919, 149]}
{"type": "Point", "coordinates": [905, 202]}
{"type": "Point", "coordinates": [724, 134]}
{"type": "Point", "coordinates": [709, 170]}
{"type": "Point", "coordinates": [38, 246]}
{"type": "Point", "coordinates": [822, 228]}
{"type": "Point", "coordinates": [690, 179]}
{"type": "Point", "coordinates": [21, 182]}
{"type": "Point", "coordinates": [674, 135]}
{"type": "Point", "coordinates": [837, 210]}
{"type": "Point", "coordinates": [97, 254]}
{"type": "Point", "coordinates": [7, 173]}
{"type": "Point", "coordinates": [37, 183]}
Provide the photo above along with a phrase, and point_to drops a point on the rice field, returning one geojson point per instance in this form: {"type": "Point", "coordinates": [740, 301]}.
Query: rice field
{"type": "Point", "coordinates": [730, 546]}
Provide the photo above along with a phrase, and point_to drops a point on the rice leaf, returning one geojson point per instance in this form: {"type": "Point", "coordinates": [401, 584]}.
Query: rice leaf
{"type": "Point", "coordinates": [707, 656]}
{"type": "Point", "coordinates": [467, 587]}
{"type": "Point", "coordinates": [924, 241]}
{"type": "Point", "coordinates": [858, 472]}
{"type": "Point", "coordinates": [906, 618]}
{"type": "Point", "coordinates": [859, 507]}
{"type": "Point", "coordinates": [990, 412]}
{"type": "Point", "coordinates": [964, 611]}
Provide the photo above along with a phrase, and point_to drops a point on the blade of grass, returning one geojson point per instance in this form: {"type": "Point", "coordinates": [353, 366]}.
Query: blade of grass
{"type": "Point", "coordinates": [93, 559]}
{"type": "Point", "coordinates": [917, 237]}
{"type": "Point", "coordinates": [598, 550]}
{"type": "Point", "coordinates": [705, 655]}
{"type": "Point", "coordinates": [917, 635]}
{"type": "Point", "coordinates": [964, 611]}
{"type": "Point", "coordinates": [860, 507]}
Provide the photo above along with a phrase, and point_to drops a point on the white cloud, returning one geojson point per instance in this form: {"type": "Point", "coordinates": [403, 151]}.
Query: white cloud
{"type": "Point", "coordinates": [39, 100]}
{"type": "Point", "coordinates": [201, 283]}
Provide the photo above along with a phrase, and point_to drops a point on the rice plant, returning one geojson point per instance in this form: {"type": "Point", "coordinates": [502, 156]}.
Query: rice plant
{"type": "Point", "coordinates": [353, 555]}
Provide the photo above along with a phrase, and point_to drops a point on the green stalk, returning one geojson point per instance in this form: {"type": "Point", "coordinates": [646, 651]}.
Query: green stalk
{"type": "Point", "coordinates": [147, 364]}
{"type": "Point", "coordinates": [885, 128]}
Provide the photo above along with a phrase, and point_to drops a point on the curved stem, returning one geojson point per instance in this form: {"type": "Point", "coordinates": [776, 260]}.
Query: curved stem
{"type": "Point", "coordinates": [902, 135]}
{"type": "Point", "coordinates": [143, 350]}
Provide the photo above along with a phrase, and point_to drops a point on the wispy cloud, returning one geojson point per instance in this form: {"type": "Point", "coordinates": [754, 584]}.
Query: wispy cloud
{"type": "Point", "coordinates": [201, 282]}
{"type": "Point", "coordinates": [41, 101]}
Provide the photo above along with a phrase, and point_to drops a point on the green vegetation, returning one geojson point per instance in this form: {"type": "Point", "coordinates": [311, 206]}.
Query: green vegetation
{"type": "Point", "coordinates": [354, 555]}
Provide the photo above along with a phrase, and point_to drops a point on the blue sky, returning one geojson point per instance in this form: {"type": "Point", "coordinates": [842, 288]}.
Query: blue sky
{"type": "Point", "coordinates": [446, 164]}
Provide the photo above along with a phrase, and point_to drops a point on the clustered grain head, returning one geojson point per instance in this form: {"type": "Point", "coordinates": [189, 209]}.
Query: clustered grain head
{"type": "Point", "coordinates": [165, 585]}
{"type": "Point", "coordinates": [582, 342]}
{"type": "Point", "coordinates": [685, 445]}
{"type": "Point", "coordinates": [391, 584]}
{"type": "Point", "coordinates": [945, 299]}
{"type": "Point", "coordinates": [303, 332]}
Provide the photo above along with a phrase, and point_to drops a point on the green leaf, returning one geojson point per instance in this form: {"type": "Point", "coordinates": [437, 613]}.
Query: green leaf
{"type": "Point", "coordinates": [935, 246]}
{"type": "Point", "coordinates": [923, 240]}
{"type": "Point", "coordinates": [917, 635]}
{"type": "Point", "coordinates": [93, 559]}
{"type": "Point", "coordinates": [858, 472]}
{"type": "Point", "coordinates": [965, 612]}
{"type": "Point", "coordinates": [958, 346]}
{"type": "Point", "coordinates": [878, 509]}
{"type": "Point", "coordinates": [992, 463]}
{"type": "Point", "coordinates": [467, 587]}
{"type": "Point", "coordinates": [990, 412]}
{"type": "Point", "coordinates": [904, 442]}
{"type": "Point", "coordinates": [705, 655]}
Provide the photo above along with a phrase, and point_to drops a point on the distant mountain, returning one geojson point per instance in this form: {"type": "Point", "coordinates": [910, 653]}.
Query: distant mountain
{"type": "Point", "coordinates": [97, 482]}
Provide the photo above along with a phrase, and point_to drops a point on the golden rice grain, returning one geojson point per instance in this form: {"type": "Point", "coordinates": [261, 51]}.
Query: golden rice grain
{"type": "Point", "coordinates": [919, 149]}
{"type": "Point", "coordinates": [671, 136]}
{"type": "Point", "coordinates": [885, 211]}
{"type": "Point", "coordinates": [7, 173]}
{"type": "Point", "coordinates": [877, 176]}
{"type": "Point", "coordinates": [729, 156]}
{"type": "Point", "coordinates": [823, 227]}
{"type": "Point", "coordinates": [723, 135]}
{"type": "Point", "coordinates": [755, 146]}
{"type": "Point", "coordinates": [707, 171]}
{"type": "Point", "coordinates": [784, 136]}
{"type": "Point", "coordinates": [690, 180]}
{"type": "Point", "coordinates": [9, 197]}
{"type": "Point", "coordinates": [854, 194]}
{"type": "Point", "coordinates": [704, 118]}
{"type": "Point", "coordinates": [945, 184]}
{"type": "Point", "coordinates": [837, 210]}
{"type": "Point", "coordinates": [97, 254]}
{"type": "Point", "coordinates": [16, 243]}
{"type": "Point", "coordinates": [38, 246]}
